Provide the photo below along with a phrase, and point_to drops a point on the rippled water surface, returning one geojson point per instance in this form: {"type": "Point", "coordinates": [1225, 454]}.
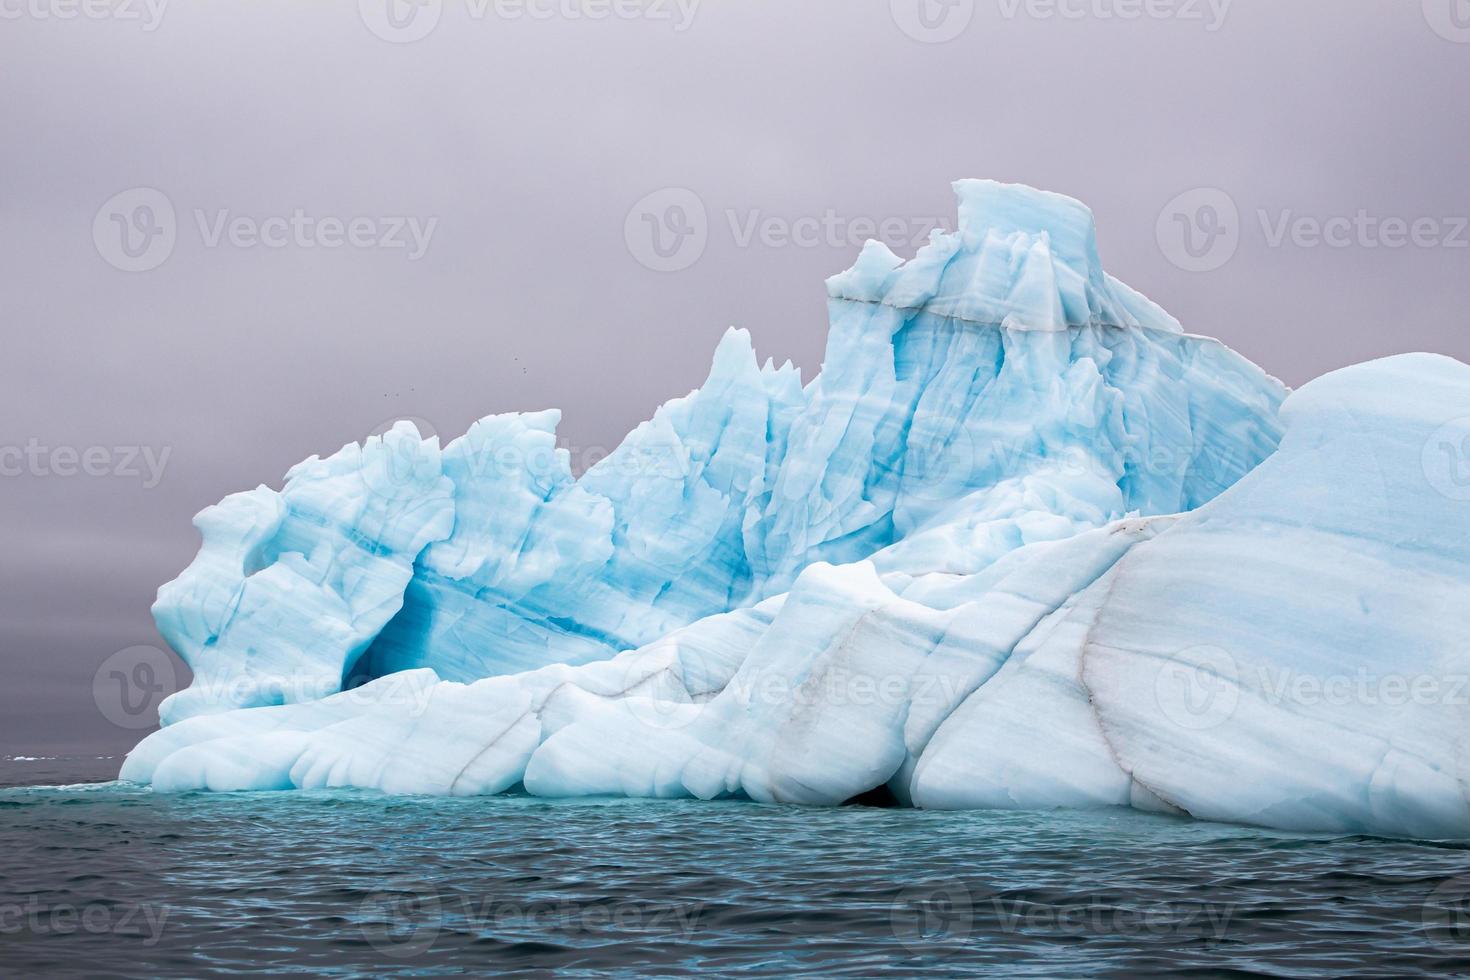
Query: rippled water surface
{"type": "Point", "coordinates": [110, 879]}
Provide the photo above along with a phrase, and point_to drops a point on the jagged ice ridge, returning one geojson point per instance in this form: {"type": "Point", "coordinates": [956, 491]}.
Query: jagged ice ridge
{"type": "Point", "coordinates": [1023, 543]}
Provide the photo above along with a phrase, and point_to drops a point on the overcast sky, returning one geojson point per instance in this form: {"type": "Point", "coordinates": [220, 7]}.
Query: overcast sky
{"type": "Point", "coordinates": [189, 306]}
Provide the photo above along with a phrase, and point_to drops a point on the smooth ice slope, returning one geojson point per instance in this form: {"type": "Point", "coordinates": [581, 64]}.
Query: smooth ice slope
{"type": "Point", "coordinates": [952, 568]}
{"type": "Point", "coordinates": [1295, 653]}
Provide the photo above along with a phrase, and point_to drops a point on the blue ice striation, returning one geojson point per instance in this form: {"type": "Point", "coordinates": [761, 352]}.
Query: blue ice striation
{"type": "Point", "coordinates": [1022, 543]}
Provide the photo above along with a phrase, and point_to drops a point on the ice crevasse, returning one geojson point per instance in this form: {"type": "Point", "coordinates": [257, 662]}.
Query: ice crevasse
{"type": "Point", "coordinates": [1022, 543]}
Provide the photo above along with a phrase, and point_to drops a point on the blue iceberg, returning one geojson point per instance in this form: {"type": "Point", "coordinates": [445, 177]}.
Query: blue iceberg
{"type": "Point", "coordinates": [1022, 543]}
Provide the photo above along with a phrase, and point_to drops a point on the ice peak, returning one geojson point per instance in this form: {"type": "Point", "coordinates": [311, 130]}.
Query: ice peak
{"type": "Point", "coordinates": [991, 208]}
{"type": "Point", "coordinates": [1022, 259]}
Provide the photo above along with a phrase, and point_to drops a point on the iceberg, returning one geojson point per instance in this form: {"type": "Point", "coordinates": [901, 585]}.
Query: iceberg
{"type": "Point", "coordinates": [1022, 543]}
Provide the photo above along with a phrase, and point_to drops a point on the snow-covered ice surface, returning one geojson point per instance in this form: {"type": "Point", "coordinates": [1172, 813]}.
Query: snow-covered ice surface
{"type": "Point", "coordinates": [1297, 653]}
{"type": "Point", "coordinates": [1022, 543]}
